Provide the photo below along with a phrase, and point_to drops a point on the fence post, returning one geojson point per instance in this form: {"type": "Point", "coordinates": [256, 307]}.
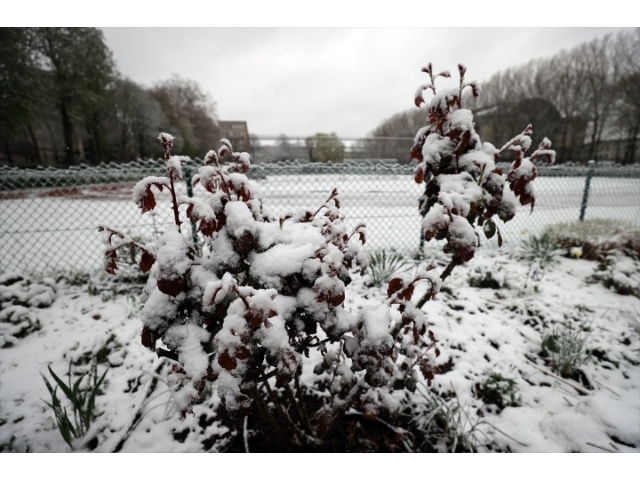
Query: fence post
{"type": "Point", "coordinates": [585, 195]}
{"type": "Point", "coordinates": [187, 181]}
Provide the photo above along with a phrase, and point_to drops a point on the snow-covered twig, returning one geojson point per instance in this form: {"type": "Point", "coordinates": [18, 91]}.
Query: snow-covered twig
{"type": "Point", "coordinates": [607, 388]}
{"type": "Point", "coordinates": [578, 388]}
{"type": "Point", "coordinates": [138, 414]}
{"type": "Point", "coordinates": [601, 448]}
{"type": "Point", "coordinates": [245, 434]}
{"type": "Point", "coordinates": [506, 435]}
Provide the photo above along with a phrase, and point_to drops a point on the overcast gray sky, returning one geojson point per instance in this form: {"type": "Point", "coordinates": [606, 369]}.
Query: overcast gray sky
{"type": "Point", "coordinates": [300, 81]}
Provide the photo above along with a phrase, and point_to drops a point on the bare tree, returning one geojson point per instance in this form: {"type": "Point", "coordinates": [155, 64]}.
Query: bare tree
{"type": "Point", "coordinates": [598, 62]}
{"type": "Point", "coordinates": [592, 87]}
{"type": "Point", "coordinates": [22, 93]}
{"type": "Point", "coordinates": [191, 113]}
{"type": "Point", "coordinates": [393, 138]}
{"type": "Point", "coordinates": [81, 70]}
{"type": "Point", "coordinates": [627, 107]}
{"type": "Point", "coordinates": [138, 118]}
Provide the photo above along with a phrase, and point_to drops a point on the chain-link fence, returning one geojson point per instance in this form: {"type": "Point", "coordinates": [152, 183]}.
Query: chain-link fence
{"type": "Point", "coordinates": [48, 217]}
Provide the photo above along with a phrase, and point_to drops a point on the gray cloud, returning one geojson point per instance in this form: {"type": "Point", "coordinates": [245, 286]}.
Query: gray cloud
{"type": "Point", "coordinates": [300, 81]}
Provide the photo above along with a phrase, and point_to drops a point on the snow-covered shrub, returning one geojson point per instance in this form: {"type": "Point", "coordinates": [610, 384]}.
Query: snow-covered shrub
{"type": "Point", "coordinates": [499, 390]}
{"type": "Point", "coordinates": [614, 244]}
{"type": "Point", "coordinates": [596, 238]}
{"type": "Point", "coordinates": [267, 291]}
{"type": "Point", "coordinates": [487, 277]}
{"type": "Point", "coordinates": [463, 187]}
{"type": "Point", "coordinates": [19, 299]}
{"type": "Point", "coordinates": [16, 322]}
{"type": "Point", "coordinates": [17, 290]}
{"type": "Point", "coordinates": [108, 351]}
{"type": "Point", "coordinates": [620, 273]}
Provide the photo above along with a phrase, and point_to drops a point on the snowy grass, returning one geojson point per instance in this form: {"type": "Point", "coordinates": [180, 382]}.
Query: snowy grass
{"type": "Point", "coordinates": [483, 332]}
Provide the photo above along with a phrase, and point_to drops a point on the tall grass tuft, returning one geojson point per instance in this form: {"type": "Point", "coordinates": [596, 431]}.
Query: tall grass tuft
{"type": "Point", "coordinates": [83, 402]}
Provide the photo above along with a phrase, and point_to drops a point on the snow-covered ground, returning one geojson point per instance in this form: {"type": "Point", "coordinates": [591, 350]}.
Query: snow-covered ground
{"type": "Point", "coordinates": [482, 332]}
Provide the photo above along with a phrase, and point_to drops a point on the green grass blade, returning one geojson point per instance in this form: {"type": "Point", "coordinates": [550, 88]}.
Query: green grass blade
{"type": "Point", "coordinates": [48, 385]}
{"type": "Point", "coordinates": [76, 386]}
{"type": "Point", "coordinates": [92, 397]}
{"type": "Point", "coordinates": [67, 391]}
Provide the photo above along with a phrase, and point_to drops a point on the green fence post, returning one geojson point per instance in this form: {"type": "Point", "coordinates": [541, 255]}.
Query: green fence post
{"type": "Point", "coordinates": [585, 195]}
{"type": "Point", "coordinates": [187, 180]}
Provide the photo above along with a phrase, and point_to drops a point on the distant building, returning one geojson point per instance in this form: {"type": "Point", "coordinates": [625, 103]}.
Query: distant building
{"type": "Point", "coordinates": [570, 136]}
{"type": "Point", "coordinates": [237, 133]}
{"type": "Point", "coordinates": [499, 124]}
{"type": "Point", "coordinates": [613, 146]}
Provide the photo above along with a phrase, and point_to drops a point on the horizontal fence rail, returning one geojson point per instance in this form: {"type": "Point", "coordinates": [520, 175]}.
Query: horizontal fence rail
{"type": "Point", "coordinates": [49, 217]}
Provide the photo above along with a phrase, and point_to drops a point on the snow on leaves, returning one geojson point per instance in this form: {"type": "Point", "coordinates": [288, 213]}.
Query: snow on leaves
{"type": "Point", "coordinates": [147, 258]}
{"type": "Point", "coordinates": [143, 195]}
{"type": "Point", "coordinates": [266, 292]}
{"type": "Point", "coordinates": [174, 258]}
{"type": "Point", "coordinates": [374, 345]}
{"type": "Point", "coordinates": [523, 170]}
{"type": "Point", "coordinates": [463, 187]}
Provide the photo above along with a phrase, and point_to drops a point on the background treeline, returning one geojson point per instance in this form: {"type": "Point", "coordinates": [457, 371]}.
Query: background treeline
{"type": "Point", "coordinates": [63, 102]}
{"type": "Point", "coordinates": [586, 100]}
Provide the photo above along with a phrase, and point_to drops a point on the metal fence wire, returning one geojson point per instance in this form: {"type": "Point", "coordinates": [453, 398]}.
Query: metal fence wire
{"type": "Point", "coordinates": [49, 217]}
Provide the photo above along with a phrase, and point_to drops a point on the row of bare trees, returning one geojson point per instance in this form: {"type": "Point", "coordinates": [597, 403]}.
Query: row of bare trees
{"type": "Point", "coordinates": [63, 102]}
{"type": "Point", "coordinates": [586, 100]}
{"type": "Point", "coordinates": [598, 82]}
